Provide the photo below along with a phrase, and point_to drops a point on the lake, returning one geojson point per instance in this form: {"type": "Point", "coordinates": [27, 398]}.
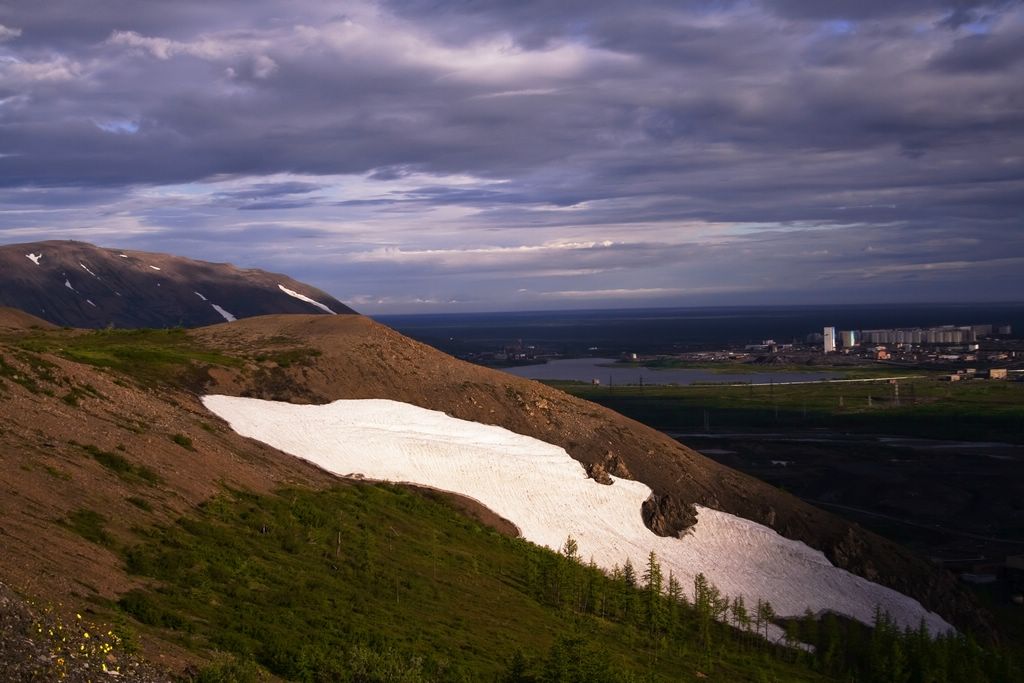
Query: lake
{"type": "Point", "coordinates": [609, 372]}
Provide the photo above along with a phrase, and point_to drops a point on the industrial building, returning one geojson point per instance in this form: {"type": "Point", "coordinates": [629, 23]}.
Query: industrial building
{"type": "Point", "coordinates": [944, 334]}
{"type": "Point", "coordinates": [830, 339]}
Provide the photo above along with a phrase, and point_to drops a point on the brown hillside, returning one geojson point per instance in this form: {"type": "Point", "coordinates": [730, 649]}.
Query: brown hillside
{"type": "Point", "coordinates": [14, 319]}
{"type": "Point", "coordinates": [355, 357]}
{"type": "Point", "coordinates": [54, 415]}
{"type": "Point", "coordinates": [76, 437]}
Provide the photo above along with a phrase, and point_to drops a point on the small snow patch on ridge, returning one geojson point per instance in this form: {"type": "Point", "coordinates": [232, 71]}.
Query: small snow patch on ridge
{"type": "Point", "coordinates": [224, 314]}
{"type": "Point", "coordinates": [200, 296]}
{"type": "Point", "coordinates": [123, 255]}
{"type": "Point", "coordinates": [303, 297]}
{"type": "Point", "coordinates": [67, 283]}
{"type": "Point", "coordinates": [34, 258]}
{"type": "Point", "coordinates": [89, 301]}
{"type": "Point", "coordinates": [154, 268]}
{"type": "Point", "coordinates": [88, 271]}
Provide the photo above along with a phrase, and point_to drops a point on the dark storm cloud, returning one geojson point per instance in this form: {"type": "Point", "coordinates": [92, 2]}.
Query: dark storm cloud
{"type": "Point", "coordinates": [420, 133]}
{"type": "Point", "coordinates": [983, 53]}
{"type": "Point", "coordinates": [267, 196]}
{"type": "Point", "coordinates": [955, 12]}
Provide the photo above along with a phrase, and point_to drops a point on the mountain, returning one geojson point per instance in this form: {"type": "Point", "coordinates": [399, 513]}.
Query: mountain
{"type": "Point", "coordinates": [80, 285]}
{"type": "Point", "coordinates": [130, 502]}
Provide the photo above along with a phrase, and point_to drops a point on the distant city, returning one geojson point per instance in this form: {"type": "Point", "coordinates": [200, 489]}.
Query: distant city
{"type": "Point", "coordinates": [903, 335]}
{"type": "Point", "coordinates": [986, 342]}
{"type": "Point", "coordinates": [944, 334]}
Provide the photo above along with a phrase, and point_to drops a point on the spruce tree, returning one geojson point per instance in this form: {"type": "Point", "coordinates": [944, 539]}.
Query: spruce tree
{"type": "Point", "coordinates": [653, 603]}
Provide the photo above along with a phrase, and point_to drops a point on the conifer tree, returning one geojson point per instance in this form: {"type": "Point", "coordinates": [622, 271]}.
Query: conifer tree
{"type": "Point", "coordinates": [629, 574]}
{"type": "Point", "coordinates": [653, 602]}
{"type": "Point", "coordinates": [674, 595]}
{"type": "Point", "coordinates": [740, 616]}
{"type": "Point", "coordinates": [629, 592]}
{"type": "Point", "coordinates": [704, 604]}
{"type": "Point", "coordinates": [765, 614]}
{"type": "Point", "coordinates": [571, 550]}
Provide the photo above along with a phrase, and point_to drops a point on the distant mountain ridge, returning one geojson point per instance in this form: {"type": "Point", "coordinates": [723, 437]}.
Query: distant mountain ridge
{"type": "Point", "coordinates": [81, 285]}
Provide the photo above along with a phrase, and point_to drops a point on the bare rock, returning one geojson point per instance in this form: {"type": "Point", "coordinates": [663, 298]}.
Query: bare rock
{"type": "Point", "coordinates": [666, 516]}
{"type": "Point", "coordinates": [598, 473]}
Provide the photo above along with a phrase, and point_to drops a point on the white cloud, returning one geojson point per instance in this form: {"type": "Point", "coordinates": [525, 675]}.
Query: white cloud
{"type": "Point", "coordinates": [161, 48]}
{"type": "Point", "coordinates": [8, 33]}
{"type": "Point", "coordinates": [932, 267]}
{"type": "Point", "coordinates": [637, 293]}
{"type": "Point", "coordinates": [264, 66]}
{"type": "Point", "coordinates": [460, 256]}
{"type": "Point", "coordinates": [15, 72]}
{"type": "Point", "coordinates": [119, 126]}
{"type": "Point", "coordinates": [493, 60]}
{"type": "Point", "coordinates": [207, 47]}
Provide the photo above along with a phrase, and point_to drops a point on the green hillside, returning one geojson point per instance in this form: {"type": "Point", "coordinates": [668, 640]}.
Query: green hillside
{"type": "Point", "coordinates": [376, 583]}
{"type": "Point", "coordinates": [372, 582]}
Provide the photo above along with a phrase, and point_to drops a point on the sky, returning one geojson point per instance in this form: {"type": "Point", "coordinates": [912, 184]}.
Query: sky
{"type": "Point", "coordinates": [477, 155]}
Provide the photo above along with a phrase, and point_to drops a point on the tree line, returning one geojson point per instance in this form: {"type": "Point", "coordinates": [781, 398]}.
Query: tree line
{"type": "Point", "coordinates": [701, 623]}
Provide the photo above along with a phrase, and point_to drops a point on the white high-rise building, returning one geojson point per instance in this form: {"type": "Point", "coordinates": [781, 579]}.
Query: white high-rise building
{"type": "Point", "coordinates": [830, 339]}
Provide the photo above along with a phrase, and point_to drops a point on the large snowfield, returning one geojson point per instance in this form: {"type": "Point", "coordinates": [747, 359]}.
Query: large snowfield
{"type": "Point", "coordinates": [541, 489]}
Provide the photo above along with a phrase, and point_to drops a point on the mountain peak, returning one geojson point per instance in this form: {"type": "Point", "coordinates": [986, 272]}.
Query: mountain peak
{"type": "Point", "coordinates": [81, 285]}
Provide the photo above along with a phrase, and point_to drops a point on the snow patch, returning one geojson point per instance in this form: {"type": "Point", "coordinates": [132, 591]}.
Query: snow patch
{"type": "Point", "coordinates": [34, 258]}
{"type": "Point", "coordinates": [224, 314]}
{"type": "Point", "coordinates": [67, 283]}
{"type": "Point", "coordinates": [123, 255]}
{"type": "Point", "coordinates": [154, 268]}
{"type": "Point", "coordinates": [547, 494]}
{"type": "Point", "coordinates": [89, 301]}
{"type": "Point", "coordinates": [200, 296]}
{"type": "Point", "coordinates": [88, 271]}
{"type": "Point", "coordinates": [303, 297]}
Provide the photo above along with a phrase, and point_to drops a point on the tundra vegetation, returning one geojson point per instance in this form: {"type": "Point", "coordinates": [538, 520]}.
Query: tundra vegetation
{"type": "Point", "coordinates": [373, 582]}
{"type": "Point", "coordinates": [981, 410]}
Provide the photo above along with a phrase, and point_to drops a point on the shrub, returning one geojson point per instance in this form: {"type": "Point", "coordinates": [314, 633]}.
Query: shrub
{"type": "Point", "coordinates": [89, 524]}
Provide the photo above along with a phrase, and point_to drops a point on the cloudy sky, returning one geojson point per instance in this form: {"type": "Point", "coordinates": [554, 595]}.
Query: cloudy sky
{"type": "Point", "coordinates": [427, 155]}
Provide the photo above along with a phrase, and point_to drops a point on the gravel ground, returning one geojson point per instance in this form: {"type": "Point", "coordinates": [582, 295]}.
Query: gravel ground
{"type": "Point", "coordinates": [40, 645]}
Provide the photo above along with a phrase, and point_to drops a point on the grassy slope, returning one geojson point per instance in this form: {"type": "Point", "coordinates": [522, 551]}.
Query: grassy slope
{"type": "Point", "coordinates": [151, 357]}
{"type": "Point", "coordinates": [308, 583]}
{"type": "Point", "coordinates": [979, 410]}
